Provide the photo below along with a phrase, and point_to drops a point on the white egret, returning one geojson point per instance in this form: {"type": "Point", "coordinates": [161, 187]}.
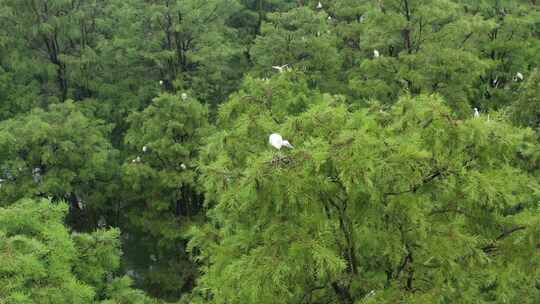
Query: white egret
{"type": "Point", "coordinates": [277, 141]}
{"type": "Point", "coordinates": [183, 166]}
{"type": "Point", "coordinates": [376, 54]}
{"type": "Point", "coordinates": [476, 113]}
{"type": "Point", "coordinates": [319, 5]}
{"type": "Point", "coordinates": [80, 204]}
{"type": "Point", "coordinates": [102, 222]}
{"type": "Point", "coordinates": [329, 18]}
{"type": "Point", "coordinates": [519, 76]}
{"type": "Point", "coordinates": [184, 96]}
{"type": "Point", "coordinates": [37, 175]}
{"type": "Point", "coordinates": [161, 82]}
{"type": "Point", "coordinates": [280, 68]}
{"type": "Point", "coordinates": [370, 294]}
{"type": "Point", "coordinates": [144, 149]}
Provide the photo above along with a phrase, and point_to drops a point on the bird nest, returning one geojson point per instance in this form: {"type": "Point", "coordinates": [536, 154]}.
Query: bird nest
{"type": "Point", "coordinates": [282, 160]}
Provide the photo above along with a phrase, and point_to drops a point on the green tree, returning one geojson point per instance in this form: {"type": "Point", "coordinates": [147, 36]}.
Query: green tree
{"type": "Point", "coordinates": [185, 44]}
{"type": "Point", "coordinates": [407, 205]}
{"type": "Point", "coordinates": [301, 39]}
{"type": "Point", "coordinates": [162, 192]}
{"type": "Point", "coordinates": [43, 263]}
{"type": "Point", "coordinates": [58, 153]}
{"type": "Point", "coordinates": [58, 37]}
{"type": "Point", "coordinates": [423, 48]}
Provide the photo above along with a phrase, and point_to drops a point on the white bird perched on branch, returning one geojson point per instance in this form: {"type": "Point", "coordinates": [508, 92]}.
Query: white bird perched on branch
{"type": "Point", "coordinates": [161, 82]}
{"type": "Point", "coordinates": [280, 68]}
{"type": "Point", "coordinates": [319, 5]}
{"type": "Point", "coordinates": [476, 113]}
{"type": "Point", "coordinates": [519, 77]}
{"type": "Point", "coordinates": [145, 149]}
{"type": "Point", "coordinates": [184, 96]}
{"type": "Point", "coordinates": [376, 54]}
{"type": "Point", "coordinates": [277, 141]}
{"type": "Point", "coordinates": [80, 204]}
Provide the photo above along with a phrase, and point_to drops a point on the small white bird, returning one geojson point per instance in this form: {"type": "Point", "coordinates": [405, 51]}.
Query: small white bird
{"type": "Point", "coordinates": [476, 113]}
{"type": "Point", "coordinates": [277, 141]}
{"type": "Point", "coordinates": [80, 204]}
{"type": "Point", "coordinates": [329, 18]}
{"type": "Point", "coordinates": [376, 54]}
{"type": "Point", "coordinates": [281, 68]}
{"type": "Point", "coordinates": [161, 82]}
{"type": "Point", "coordinates": [144, 149]}
{"type": "Point", "coordinates": [371, 293]}
{"type": "Point", "coordinates": [184, 96]}
{"type": "Point", "coordinates": [183, 166]}
{"type": "Point", "coordinates": [37, 175]}
{"type": "Point", "coordinates": [102, 222]}
{"type": "Point", "coordinates": [136, 160]}
{"type": "Point", "coordinates": [519, 76]}
{"type": "Point", "coordinates": [361, 19]}
{"type": "Point", "coordinates": [319, 5]}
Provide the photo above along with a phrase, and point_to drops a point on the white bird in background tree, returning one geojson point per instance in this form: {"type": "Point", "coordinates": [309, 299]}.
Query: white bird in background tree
{"type": "Point", "coordinates": [277, 141]}
{"type": "Point", "coordinates": [37, 175]}
{"type": "Point", "coordinates": [280, 68]}
{"type": "Point", "coordinates": [519, 76]}
{"type": "Point", "coordinates": [144, 149]}
{"type": "Point", "coordinates": [184, 96]}
{"type": "Point", "coordinates": [102, 222]}
{"type": "Point", "coordinates": [376, 54]}
{"type": "Point", "coordinates": [319, 5]}
{"type": "Point", "coordinates": [183, 166]}
{"type": "Point", "coordinates": [161, 82]}
{"type": "Point", "coordinates": [80, 204]}
{"type": "Point", "coordinates": [476, 113]}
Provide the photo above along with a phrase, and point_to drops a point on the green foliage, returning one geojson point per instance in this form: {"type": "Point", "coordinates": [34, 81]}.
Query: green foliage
{"type": "Point", "coordinates": [341, 214]}
{"type": "Point", "coordinates": [300, 38]}
{"type": "Point", "coordinates": [41, 262]}
{"type": "Point", "coordinates": [161, 178]}
{"type": "Point", "coordinates": [414, 177]}
{"type": "Point", "coordinates": [58, 153]}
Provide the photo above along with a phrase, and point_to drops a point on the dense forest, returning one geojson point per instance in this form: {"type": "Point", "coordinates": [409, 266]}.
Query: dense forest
{"type": "Point", "coordinates": [143, 155]}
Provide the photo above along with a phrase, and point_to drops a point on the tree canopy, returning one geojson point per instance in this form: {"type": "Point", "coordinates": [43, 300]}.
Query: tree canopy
{"type": "Point", "coordinates": [135, 163]}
